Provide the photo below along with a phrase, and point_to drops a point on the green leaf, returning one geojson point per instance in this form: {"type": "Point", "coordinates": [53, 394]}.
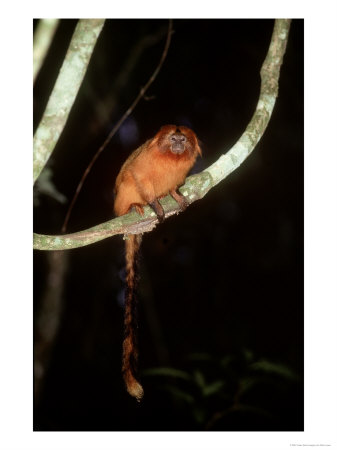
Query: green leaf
{"type": "Point", "coordinates": [213, 388]}
{"type": "Point", "coordinates": [248, 355]}
{"type": "Point", "coordinates": [199, 415]}
{"type": "Point", "coordinates": [274, 368]}
{"type": "Point", "coordinates": [167, 372]}
{"type": "Point", "coordinates": [199, 379]}
{"type": "Point", "coordinates": [180, 394]}
{"type": "Point", "coordinates": [226, 361]}
{"type": "Point", "coordinates": [247, 383]}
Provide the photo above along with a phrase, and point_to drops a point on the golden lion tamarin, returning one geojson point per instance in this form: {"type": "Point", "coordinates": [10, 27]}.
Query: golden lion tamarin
{"type": "Point", "coordinates": [155, 169]}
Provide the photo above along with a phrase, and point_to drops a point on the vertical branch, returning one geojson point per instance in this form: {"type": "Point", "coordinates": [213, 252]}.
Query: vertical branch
{"type": "Point", "coordinates": [43, 37]}
{"type": "Point", "coordinates": [65, 90]}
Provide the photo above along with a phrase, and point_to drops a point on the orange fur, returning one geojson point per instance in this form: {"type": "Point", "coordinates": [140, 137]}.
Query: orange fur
{"type": "Point", "coordinates": [152, 170]}
{"type": "Point", "coordinates": [155, 169]}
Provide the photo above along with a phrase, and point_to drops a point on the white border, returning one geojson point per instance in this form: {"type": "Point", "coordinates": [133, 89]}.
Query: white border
{"type": "Point", "coordinates": [320, 226]}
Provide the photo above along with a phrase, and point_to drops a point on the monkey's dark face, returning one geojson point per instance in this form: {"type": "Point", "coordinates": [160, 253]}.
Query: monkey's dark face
{"type": "Point", "coordinates": [176, 139]}
{"type": "Point", "coordinates": [178, 142]}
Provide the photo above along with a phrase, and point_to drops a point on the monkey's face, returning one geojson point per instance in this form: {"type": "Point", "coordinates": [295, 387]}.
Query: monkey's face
{"type": "Point", "coordinates": [176, 139]}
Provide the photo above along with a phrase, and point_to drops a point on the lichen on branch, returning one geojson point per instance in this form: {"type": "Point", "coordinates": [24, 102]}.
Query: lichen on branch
{"type": "Point", "coordinates": [65, 91]}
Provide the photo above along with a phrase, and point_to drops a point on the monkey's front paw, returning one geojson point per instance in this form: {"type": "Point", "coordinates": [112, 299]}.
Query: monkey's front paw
{"type": "Point", "coordinates": [180, 199]}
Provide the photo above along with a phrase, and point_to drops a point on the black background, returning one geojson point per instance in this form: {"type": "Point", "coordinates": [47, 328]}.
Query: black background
{"type": "Point", "coordinates": [221, 292]}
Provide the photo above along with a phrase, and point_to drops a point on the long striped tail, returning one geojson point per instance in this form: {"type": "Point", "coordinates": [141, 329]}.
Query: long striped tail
{"type": "Point", "coordinates": [130, 344]}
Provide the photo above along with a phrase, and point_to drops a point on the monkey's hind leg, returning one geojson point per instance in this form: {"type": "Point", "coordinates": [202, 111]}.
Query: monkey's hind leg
{"type": "Point", "coordinates": [179, 198]}
{"type": "Point", "coordinates": [158, 209]}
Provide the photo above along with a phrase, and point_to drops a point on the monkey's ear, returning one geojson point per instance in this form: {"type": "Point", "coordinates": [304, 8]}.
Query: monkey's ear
{"type": "Point", "coordinates": [199, 146]}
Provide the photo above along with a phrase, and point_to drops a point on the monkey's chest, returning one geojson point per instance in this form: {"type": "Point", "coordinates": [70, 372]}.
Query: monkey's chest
{"type": "Point", "coordinates": [168, 174]}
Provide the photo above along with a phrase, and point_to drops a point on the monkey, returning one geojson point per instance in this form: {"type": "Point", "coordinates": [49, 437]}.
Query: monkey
{"type": "Point", "coordinates": [157, 168]}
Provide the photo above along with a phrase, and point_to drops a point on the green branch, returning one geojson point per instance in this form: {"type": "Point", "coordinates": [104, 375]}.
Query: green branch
{"type": "Point", "coordinates": [198, 185]}
{"type": "Point", "coordinates": [65, 90]}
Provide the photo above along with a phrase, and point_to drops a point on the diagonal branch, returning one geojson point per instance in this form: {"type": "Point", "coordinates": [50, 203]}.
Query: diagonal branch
{"type": "Point", "coordinates": [65, 90]}
{"type": "Point", "coordinates": [198, 185]}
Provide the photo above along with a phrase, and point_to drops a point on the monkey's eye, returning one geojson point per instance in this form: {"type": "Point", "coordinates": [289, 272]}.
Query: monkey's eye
{"type": "Point", "coordinates": [178, 138]}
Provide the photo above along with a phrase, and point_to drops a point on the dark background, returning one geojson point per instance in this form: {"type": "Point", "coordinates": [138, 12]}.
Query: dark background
{"type": "Point", "coordinates": [221, 291]}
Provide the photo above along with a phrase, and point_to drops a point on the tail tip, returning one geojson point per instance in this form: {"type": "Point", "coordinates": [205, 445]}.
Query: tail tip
{"type": "Point", "coordinates": [135, 390]}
